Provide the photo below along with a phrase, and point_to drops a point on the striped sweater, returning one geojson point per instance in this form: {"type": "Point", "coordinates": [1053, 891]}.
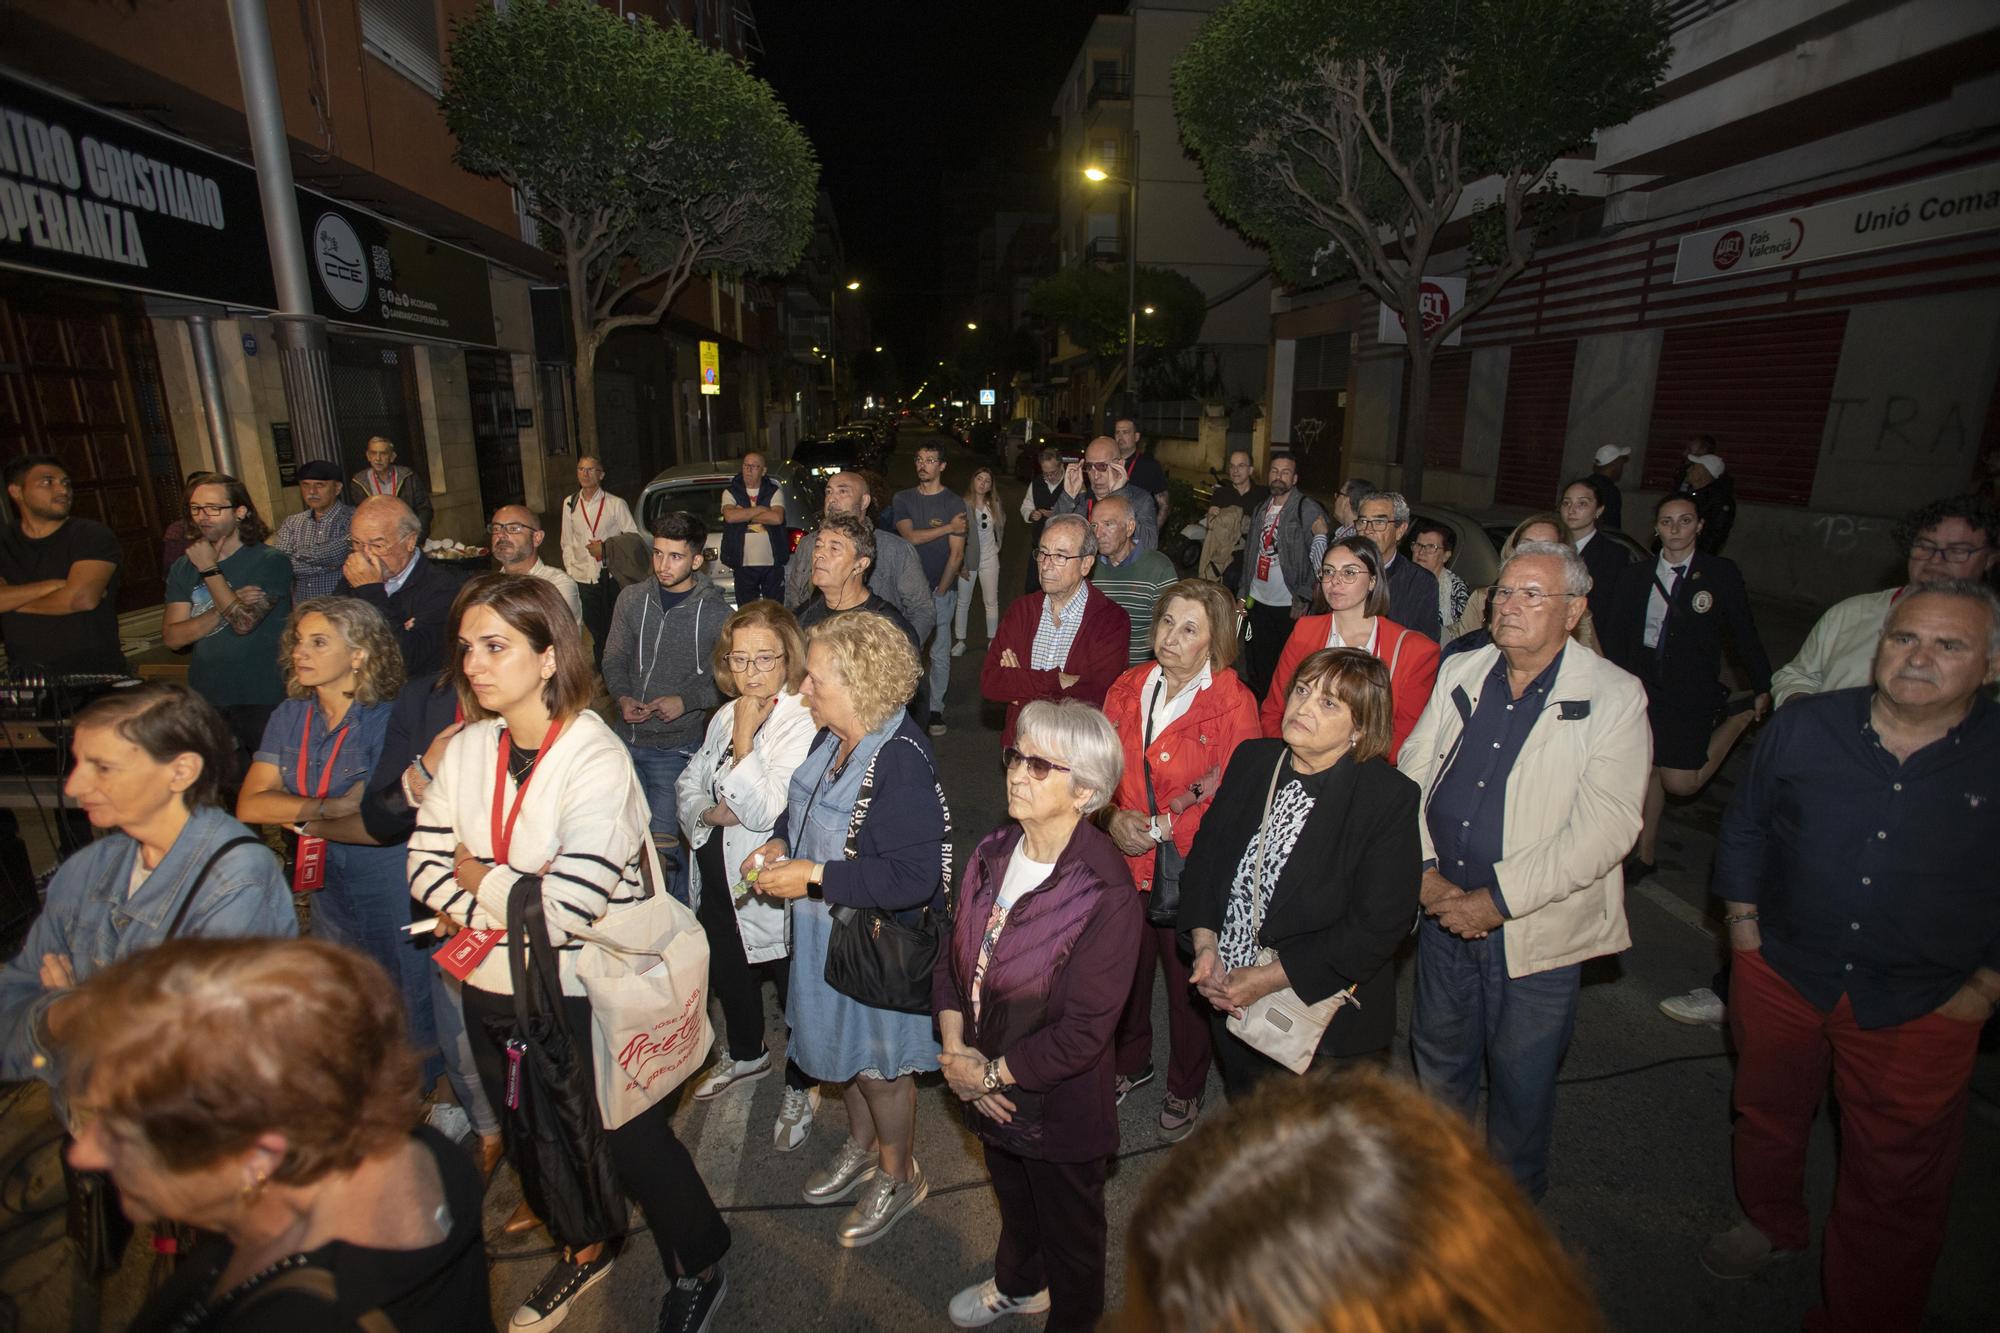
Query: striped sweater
{"type": "Point", "coordinates": [580, 831]}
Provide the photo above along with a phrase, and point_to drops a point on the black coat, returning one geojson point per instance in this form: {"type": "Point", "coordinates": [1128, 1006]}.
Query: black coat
{"type": "Point", "coordinates": [1346, 897]}
{"type": "Point", "coordinates": [1716, 503]}
{"type": "Point", "coordinates": [418, 613]}
{"type": "Point", "coordinates": [1709, 604]}
{"type": "Point", "coordinates": [1607, 561]}
{"type": "Point", "coordinates": [1413, 599]}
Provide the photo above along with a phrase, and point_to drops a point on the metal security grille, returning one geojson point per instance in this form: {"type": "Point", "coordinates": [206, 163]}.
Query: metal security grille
{"type": "Point", "coordinates": [1536, 421]}
{"type": "Point", "coordinates": [374, 393]}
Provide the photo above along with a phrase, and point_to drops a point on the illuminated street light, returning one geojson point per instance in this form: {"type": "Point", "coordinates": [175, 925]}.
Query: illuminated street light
{"type": "Point", "coordinates": [1098, 175]}
{"type": "Point", "coordinates": [1095, 174]}
{"type": "Point", "coordinates": [971, 327]}
{"type": "Point", "coordinates": [854, 286]}
{"type": "Point", "coordinates": [879, 349]}
{"type": "Point", "coordinates": [1148, 310]}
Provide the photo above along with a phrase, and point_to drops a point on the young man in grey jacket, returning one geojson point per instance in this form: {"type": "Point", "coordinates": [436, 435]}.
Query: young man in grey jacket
{"type": "Point", "coordinates": [657, 668]}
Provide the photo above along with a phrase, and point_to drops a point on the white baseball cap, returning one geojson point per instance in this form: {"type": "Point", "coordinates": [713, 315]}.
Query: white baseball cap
{"type": "Point", "coordinates": [1608, 452]}
{"type": "Point", "coordinates": [1713, 462]}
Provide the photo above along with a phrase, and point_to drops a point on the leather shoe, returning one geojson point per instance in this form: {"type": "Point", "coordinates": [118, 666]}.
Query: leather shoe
{"type": "Point", "coordinates": [523, 1220]}
{"type": "Point", "coordinates": [491, 1153]}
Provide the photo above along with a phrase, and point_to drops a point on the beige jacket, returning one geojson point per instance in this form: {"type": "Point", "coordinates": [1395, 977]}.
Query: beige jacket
{"type": "Point", "coordinates": [1574, 803]}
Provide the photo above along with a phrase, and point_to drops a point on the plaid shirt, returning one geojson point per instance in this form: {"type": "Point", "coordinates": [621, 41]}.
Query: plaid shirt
{"type": "Point", "coordinates": [1053, 636]}
{"type": "Point", "coordinates": [318, 548]}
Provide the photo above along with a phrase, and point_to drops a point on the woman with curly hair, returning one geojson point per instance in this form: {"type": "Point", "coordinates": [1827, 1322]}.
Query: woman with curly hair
{"type": "Point", "coordinates": [865, 829]}
{"type": "Point", "coordinates": [342, 670]}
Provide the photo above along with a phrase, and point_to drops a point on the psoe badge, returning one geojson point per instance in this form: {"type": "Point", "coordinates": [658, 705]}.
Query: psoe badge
{"type": "Point", "coordinates": [1704, 601]}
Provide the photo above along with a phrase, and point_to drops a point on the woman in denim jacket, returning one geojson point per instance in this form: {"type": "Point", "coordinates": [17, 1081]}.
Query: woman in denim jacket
{"type": "Point", "coordinates": [150, 767]}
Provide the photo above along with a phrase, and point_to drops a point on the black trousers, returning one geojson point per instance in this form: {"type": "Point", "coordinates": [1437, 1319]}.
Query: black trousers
{"type": "Point", "coordinates": [599, 599]}
{"type": "Point", "coordinates": [1243, 1066]}
{"type": "Point", "coordinates": [654, 1169]}
{"type": "Point", "coordinates": [758, 581]}
{"type": "Point", "coordinates": [732, 978]}
{"type": "Point", "coordinates": [1051, 1234]}
{"type": "Point", "coordinates": [1270, 626]}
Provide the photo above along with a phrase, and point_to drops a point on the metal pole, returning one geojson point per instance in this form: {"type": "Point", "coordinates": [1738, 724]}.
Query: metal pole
{"type": "Point", "coordinates": [833, 350]}
{"type": "Point", "coordinates": [1132, 282]}
{"type": "Point", "coordinates": [214, 407]}
{"type": "Point", "coordinates": [301, 334]}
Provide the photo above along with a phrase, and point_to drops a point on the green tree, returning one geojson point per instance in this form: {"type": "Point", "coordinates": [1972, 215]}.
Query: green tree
{"type": "Point", "coordinates": [1088, 304]}
{"type": "Point", "coordinates": [1345, 135]}
{"type": "Point", "coordinates": [645, 156]}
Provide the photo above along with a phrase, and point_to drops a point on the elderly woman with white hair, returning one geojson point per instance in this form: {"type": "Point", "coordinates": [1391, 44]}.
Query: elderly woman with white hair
{"type": "Point", "coordinates": [1027, 995]}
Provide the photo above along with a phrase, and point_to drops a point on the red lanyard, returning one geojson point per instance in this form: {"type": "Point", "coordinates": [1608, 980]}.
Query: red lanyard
{"type": "Point", "coordinates": [326, 774]}
{"type": "Point", "coordinates": [586, 514]}
{"type": "Point", "coordinates": [375, 483]}
{"type": "Point", "coordinates": [503, 833]}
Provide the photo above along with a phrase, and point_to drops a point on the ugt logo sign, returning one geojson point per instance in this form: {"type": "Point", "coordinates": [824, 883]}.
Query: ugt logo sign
{"type": "Point", "coordinates": [1728, 249]}
{"type": "Point", "coordinates": [1433, 308]}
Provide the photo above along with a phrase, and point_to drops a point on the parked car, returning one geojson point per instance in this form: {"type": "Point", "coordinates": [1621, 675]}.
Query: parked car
{"type": "Point", "coordinates": [698, 488]}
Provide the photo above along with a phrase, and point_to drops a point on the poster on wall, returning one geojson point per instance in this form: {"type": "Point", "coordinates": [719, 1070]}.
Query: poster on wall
{"type": "Point", "coordinates": [1437, 297]}
{"type": "Point", "coordinates": [370, 271]}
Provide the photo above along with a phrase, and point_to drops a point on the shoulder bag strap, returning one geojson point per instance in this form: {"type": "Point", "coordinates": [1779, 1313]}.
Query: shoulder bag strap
{"type": "Point", "coordinates": [311, 1280]}
{"type": "Point", "coordinates": [201, 877]}
{"type": "Point", "coordinates": [1257, 881]}
{"type": "Point", "coordinates": [1396, 654]}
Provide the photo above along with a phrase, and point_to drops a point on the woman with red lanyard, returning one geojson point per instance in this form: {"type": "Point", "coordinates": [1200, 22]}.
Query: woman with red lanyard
{"type": "Point", "coordinates": [342, 671]}
{"type": "Point", "coordinates": [536, 795]}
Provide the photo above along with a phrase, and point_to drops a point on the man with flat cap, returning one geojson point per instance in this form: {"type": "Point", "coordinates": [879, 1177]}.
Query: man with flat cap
{"type": "Point", "coordinates": [316, 537]}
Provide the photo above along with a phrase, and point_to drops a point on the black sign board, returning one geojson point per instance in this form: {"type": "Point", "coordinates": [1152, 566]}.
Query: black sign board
{"type": "Point", "coordinates": [288, 459]}
{"type": "Point", "coordinates": [367, 270]}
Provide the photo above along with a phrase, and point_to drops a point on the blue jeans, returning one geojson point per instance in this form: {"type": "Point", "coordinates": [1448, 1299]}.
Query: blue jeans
{"type": "Point", "coordinates": [455, 1045]}
{"type": "Point", "coordinates": [1468, 1015]}
{"type": "Point", "coordinates": [365, 905]}
{"type": "Point", "coordinates": [659, 771]}
{"type": "Point", "coordinates": [945, 604]}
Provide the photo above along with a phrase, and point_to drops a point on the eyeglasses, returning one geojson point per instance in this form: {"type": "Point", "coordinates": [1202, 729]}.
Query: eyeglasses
{"type": "Point", "coordinates": [1100, 467]}
{"type": "Point", "coordinates": [1042, 554]}
{"type": "Point", "coordinates": [1534, 597]}
{"type": "Point", "coordinates": [209, 511]}
{"type": "Point", "coordinates": [1374, 524]}
{"type": "Point", "coordinates": [1038, 767]}
{"type": "Point", "coordinates": [762, 661]}
{"type": "Point", "coordinates": [511, 529]}
{"type": "Point", "coordinates": [1341, 573]}
{"type": "Point", "coordinates": [1957, 553]}
{"type": "Point", "coordinates": [373, 545]}
{"type": "Point", "coordinates": [1428, 548]}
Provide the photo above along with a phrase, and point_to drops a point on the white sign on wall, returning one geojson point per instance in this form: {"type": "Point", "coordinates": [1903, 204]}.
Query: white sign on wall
{"type": "Point", "coordinates": [1922, 210]}
{"type": "Point", "coordinates": [987, 397]}
{"type": "Point", "coordinates": [1437, 298]}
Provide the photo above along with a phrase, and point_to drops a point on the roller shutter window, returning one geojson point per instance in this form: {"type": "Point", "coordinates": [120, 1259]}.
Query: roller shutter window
{"type": "Point", "coordinates": [1535, 420]}
{"type": "Point", "coordinates": [404, 34]}
{"type": "Point", "coordinates": [1761, 387]}
{"type": "Point", "coordinates": [1444, 431]}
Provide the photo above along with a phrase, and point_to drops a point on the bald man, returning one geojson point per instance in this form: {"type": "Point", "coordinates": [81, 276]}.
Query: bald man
{"type": "Point", "coordinates": [386, 570]}
{"type": "Point", "coordinates": [754, 541]}
{"type": "Point", "coordinates": [516, 534]}
{"type": "Point", "coordinates": [1100, 476]}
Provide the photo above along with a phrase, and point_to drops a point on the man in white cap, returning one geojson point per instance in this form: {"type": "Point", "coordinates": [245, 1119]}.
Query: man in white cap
{"type": "Point", "coordinates": [1714, 494]}
{"type": "Point", "coordinates": [1610, 466]}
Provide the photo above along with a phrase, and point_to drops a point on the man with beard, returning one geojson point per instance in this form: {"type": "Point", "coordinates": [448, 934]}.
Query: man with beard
{"type": "Point", "coordinates": [1280, 570]}
{"type": "Point", "coordinates": [516, 534]}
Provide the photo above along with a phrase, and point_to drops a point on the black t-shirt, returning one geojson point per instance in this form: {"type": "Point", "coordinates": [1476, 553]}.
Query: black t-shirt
{"type": "Point", "coordinates": [1249, 502]}
{"type": "Point", "coordinates": [1145, 472]}
{"type": "Point", "coordinates": [82, 640]}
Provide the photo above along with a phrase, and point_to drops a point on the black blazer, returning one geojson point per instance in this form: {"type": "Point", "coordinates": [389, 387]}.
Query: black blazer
{"type": "Point", "coordinates": [418, 613]}
{"type": "Point", "coordinates": [1413, 598]}
{"type": "Point", "coordinates": [1607, 561]}
{"type": "Point", "coordinates": [1709, 604]}
{"type": "Point", "coordinates": [1346, 896]}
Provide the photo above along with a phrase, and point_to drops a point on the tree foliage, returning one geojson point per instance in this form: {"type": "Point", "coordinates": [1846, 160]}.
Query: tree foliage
{"type": "Point", "coordinates": [645, 156]}
{"type": "Point", "coordinates": [1088, 304]}
{"type": "Point", "coordinates": [1342, 135]}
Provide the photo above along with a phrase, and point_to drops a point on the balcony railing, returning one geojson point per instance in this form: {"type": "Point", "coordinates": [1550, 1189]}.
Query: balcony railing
{"type": "Point", "coordinates": [1104, 250]}
{"type": "Point", "coordinates": [1687, 13]}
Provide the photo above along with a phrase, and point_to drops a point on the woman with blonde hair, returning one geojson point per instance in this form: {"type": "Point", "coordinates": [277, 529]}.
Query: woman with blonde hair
{"type": "Point", "coordinates": [866, 833]}
{"type": "Point", "coordinates": [982, 557]}
{"type": "Point", "coordinates": [1352, 1206]}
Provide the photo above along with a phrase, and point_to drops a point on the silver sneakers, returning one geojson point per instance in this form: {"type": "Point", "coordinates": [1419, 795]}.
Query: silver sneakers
{"type": "Point", "coordinates": [982, 1303]}
{"type": "Point", "coordinates": [850, 1167]}
{"type": "Point", "coordinates": [795, 1118]}
{"type": "Point", "coordinates": [881, 1206]}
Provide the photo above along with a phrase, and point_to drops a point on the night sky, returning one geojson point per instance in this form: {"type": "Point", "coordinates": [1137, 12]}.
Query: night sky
{"type": "Point", "coordinates": [896, 94]}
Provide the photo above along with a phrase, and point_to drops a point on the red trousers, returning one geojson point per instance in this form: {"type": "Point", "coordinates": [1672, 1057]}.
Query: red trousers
{"type": "Point", "coordinates": [1188, 1048]}
{"type": "Point", "coordinates": [1902, 1095]}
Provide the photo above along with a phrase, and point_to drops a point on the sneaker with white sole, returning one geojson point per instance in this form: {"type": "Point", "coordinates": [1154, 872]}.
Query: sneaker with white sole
{"type": "Point", "coordinates": [549, 1303]}
{"type": "Point", "coordinates": [795, 1118]}
{"type": "Point", "coordinates": [982, 1303]}
{"type": "Point", "coordinates": [882, 1204]}
{"type": "Point", "coordinates": [1125, 1084]}
{"type": "Point", "coordinates": [1700, 1005]}
{"type": "Point", "coordinates": [1177, 1117]}
{"type": "Point", "coordinates": [727, 1073]}
{"type": "Point", "coordinates": [958, 648]}
{"type": "Point", "coordinates": [449, 1119]}
{"type": "Point", "coordinates": [852, 1167]}
{"type": "Point", "coordinates": [691, 1303]}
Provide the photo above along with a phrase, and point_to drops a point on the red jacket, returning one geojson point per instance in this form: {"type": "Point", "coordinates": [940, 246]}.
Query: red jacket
{"type": "Point", "coordinates": [1411, 674]}
{"type": "Point", "coordinates": [1193, 751]}
{"type": "Point", "coordinates": [1096, 656]}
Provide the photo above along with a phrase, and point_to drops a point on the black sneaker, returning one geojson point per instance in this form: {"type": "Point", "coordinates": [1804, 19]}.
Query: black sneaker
{"type": "Point", "coordinates": [936, 728]}
{"type": "Point", "coordinates": [549, 1303]}
{"type": "Point", "coordinates": [691, 1303]}
{"type": "Point", "coordinates": [1126, 1082]}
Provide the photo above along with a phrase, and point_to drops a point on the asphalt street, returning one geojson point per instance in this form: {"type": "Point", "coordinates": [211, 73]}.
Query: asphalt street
{"type": "Point", "coordinates": [1640, 1166]}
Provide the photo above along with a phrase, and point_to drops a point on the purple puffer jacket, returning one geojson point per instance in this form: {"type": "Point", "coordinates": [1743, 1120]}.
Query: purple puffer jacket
{"type": "Point", "coordinates": [1052, 992]}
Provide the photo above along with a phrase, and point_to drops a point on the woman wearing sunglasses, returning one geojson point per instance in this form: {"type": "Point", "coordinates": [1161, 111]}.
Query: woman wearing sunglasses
{"type": "Point", "coordinates": [1027, 995]}
{"type": "Point", "coordinates": [1348, 611]}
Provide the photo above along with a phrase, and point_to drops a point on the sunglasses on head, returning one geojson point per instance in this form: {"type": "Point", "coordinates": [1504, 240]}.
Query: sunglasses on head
{"type": "Point", "coordinates": [1038, 767]}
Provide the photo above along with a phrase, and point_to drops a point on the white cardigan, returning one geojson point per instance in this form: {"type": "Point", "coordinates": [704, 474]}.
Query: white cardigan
{"type": "Point", "coordinates": [584, 818]}
{"type": "Point", "coordinates": [757, 789]}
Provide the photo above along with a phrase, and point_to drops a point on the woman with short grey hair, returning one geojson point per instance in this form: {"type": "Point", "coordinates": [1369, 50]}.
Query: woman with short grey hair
{"type": "Point", "coordinates": [1027, 994]}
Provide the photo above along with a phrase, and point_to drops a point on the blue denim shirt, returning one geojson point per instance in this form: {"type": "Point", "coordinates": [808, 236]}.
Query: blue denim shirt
{"type": "Point", "coordinates": [89, 920]}
{"type": "Point", "coordinates": [366, 725]}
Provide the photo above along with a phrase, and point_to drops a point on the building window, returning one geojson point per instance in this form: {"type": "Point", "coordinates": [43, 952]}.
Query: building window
{"type": "Point", "coordinates": [404, 35]}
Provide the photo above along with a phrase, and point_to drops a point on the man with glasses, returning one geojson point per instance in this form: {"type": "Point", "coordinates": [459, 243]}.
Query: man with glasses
{"type": "Point", "coordinates": [1068, 641]}
{"type": "Point", "coordinates": [1532, 757]}
{"type": "Point", "coordinates": [227, 600]}
{"type": "Point", "coordinates": [316, 537]}
{"type": "Point", "coordinates": [590, 518]}
{"type": "Point", "coordinates": [1384, 518]}
{"type": "Point", "coordinates": [1101, 475]}
{"type": "Point", "coordinates": [516, 537]}
{"type": "Point", "coordinates": [1281, 556]}
{"type": "Point", "coordinates": [384, 477]}
{"type": "Point", "coordinates": [386, 570]}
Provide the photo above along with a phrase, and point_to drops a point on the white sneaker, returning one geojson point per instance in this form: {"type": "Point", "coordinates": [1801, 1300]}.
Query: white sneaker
{"type": "Point", "coordinates": [1700, 1005]}
{"type": "Point", "coordinates": [958, 648]}
{"type": "Point", "coordinates": [795, 1118]}
{"type": "Point", "coordinates": [982, 1303]}
{"type": "Point", "coordinates": [449, 1119]}
{"type": "Point", "coordinates": [728, 1073]}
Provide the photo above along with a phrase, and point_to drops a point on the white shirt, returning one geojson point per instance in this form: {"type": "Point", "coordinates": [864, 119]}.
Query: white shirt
{"type": "Point", "coordinates": [1273, 590]}
{"type": "Point", "coordinates": [1333, 639]}
{"type": "Point", "coordinates": [1656, 605]}
{"type": "Point", "coordinates": [587, 521]}
{"type": "Point", "coordinates": [1167, 710]}
{"type": "Point", "coordinates": [562, 583]}
{"type": "Point", "coordinates": [1022, 875]}
{"type": "Point", "coordinates": [394, 583]}
{"type": "Point", "coordinates": [1584, 540]}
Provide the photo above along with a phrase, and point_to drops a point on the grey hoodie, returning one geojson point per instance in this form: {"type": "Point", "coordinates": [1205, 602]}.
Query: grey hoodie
{"type": "Point", "coordinates": [651, 653]}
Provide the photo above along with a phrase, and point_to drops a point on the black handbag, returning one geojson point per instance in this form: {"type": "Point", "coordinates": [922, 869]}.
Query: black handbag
{"type": "Point", "coordinates": [554, 1133]}
{"type": "Point", "coordinates": [873, 957]}
{"type": "Point", "coordinates": [1163, 904]}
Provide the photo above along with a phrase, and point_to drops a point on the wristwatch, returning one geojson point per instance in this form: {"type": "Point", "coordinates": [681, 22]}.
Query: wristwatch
{"type": "Point", "coordinates": [815, 879]}
{"type": "Point", "coordinates": [991, 1079]}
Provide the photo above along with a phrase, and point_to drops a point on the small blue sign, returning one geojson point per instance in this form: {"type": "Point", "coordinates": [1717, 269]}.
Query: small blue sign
{"type": "Point", "coordinates": [249, 344]}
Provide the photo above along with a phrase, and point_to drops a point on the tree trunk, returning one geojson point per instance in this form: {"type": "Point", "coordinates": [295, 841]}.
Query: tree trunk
{"type": "Point", "coordinates": [586, 398]}
{"type": "Point", "coordinates": [1416, 411]}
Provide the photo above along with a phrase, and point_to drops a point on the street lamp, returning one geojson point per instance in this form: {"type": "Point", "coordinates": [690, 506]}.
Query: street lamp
{"type": "Point", "coordinates": [971, 327]}
{"type": "Point", "coordinates": [1098, 175]}
{"type": "Point", "coordinates": [833, 360]}
{"type": "Point", "coordinates": [1147, 311]}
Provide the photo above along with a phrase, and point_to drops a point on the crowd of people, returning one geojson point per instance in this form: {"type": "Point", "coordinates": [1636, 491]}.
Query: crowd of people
{"type": "Point", "coordinates": [1253, 787]}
